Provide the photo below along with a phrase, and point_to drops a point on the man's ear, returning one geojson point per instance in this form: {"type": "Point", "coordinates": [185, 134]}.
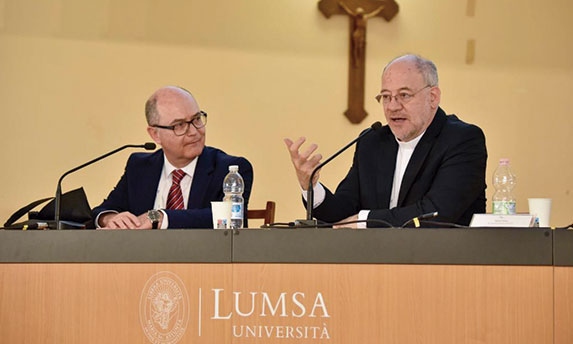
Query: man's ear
{"type": "Point", "coordinates": [154, 135]}
{"type": "Point", "coordinates": [435, 96]}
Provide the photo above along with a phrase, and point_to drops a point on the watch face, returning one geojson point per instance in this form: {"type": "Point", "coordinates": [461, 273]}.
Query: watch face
{"type": "Point", "coordinates": [153, 215]}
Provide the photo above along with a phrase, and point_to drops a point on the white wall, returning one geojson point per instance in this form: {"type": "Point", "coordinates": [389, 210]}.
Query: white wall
{"type": "Point", "coordinates": [74, 76]}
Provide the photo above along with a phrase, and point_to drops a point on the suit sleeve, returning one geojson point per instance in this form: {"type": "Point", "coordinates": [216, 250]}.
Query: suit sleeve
{"type": "Point", "coordinates": [345, 202]}
{"type": "Point", "coordinates": [202, 217]}
{"type": "Point", "coordinates": [117, 199]}
{"type": "Point", "coordinates": [459, 182]}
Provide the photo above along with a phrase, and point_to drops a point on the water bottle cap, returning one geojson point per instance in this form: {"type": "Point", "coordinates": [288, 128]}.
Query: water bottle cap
{"type": "Point", "coordinates": [504, 161]}
{"type": "Point", "coordinates": [234, 168]}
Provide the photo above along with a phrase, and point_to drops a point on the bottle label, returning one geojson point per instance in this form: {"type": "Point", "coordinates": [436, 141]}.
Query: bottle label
{"type": "Point", "coordinates": [237, 211]}
{"type": "Point", "coordinates": [504, 207]}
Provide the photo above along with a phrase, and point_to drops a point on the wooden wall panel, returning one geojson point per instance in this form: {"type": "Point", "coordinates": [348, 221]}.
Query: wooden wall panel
{"type": "Point", "coordinates": [563, 305]}
{"type": "Point", "coordinates": [412, 303]}
{"type": "Point", "coordinates": [97, 303]}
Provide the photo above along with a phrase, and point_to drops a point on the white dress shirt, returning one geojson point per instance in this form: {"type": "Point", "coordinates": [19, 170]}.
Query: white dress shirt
{"type": "Point", "coordinates": [165, 182]}
{"type": "Point", "coordinates": [405, 151]}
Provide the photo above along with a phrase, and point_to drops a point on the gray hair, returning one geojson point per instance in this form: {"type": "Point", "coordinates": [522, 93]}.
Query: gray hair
{"type": "Point", "coordinates": [426, 67]}
{"type": "Point", "coordinates": [151, 114]}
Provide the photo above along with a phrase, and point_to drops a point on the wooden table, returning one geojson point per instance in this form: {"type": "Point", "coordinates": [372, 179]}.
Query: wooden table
{"type": "Point", "coordinates": [287, 286]}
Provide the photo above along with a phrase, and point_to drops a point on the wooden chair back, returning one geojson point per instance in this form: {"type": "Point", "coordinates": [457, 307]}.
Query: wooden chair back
{"type": "Point", "coordinates": [268, 214]}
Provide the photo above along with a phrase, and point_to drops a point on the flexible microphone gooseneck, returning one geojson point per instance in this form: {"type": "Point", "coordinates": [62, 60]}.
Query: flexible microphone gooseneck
{"type": "Point", "coordinates": [289, 225]}
{"type": "Point", "coordinates": [57, 201]}
{"type": "Point", "coordinates": [416, 220]}
{"type": "Point", "coordinates": [310, 191]}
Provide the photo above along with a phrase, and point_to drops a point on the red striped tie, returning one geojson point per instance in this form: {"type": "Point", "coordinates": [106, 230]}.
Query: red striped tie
{"type": "Point", "coordinates": [175, 198]}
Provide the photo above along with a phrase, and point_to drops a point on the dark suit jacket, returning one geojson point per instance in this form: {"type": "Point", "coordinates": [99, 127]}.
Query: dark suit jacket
{"type": "Point", "coordinates": [446, 173]}
{"type": "Point", "coordinates": [137, 188]}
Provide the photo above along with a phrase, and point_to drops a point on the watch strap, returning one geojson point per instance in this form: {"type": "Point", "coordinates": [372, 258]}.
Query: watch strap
{"type": "Point", "coordinates": [154, 216]}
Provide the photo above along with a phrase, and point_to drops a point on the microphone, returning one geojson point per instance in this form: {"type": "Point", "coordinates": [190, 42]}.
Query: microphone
{"type": "Point", "coordinates": [57, 201]}
{"type": "Point", "coordinates": [310, 191]}
{"type": "Point", "coordinates": [417, 219]}
{"type": "Point", "coordinates": [148, 146]}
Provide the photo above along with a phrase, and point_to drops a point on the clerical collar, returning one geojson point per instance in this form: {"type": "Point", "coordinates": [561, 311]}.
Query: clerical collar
{"type": "Point", "coordinates": [412, 143]}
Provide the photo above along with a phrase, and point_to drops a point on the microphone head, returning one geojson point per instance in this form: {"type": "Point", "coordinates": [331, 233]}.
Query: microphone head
{"type": "Point", "coordinates": [149, 146]}
{"type": "Point", "coordinates": [376, 126]}
{"type": "Point", "coordinates": [428, 215]}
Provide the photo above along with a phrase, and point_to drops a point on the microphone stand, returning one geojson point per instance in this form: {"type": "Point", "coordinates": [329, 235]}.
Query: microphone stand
{"type": "Point", "coordinates": [309, 221]}
{"type": "Point", "coordinates": [416, 220]}
{"type": "Point", "coordinates": [58, 198]}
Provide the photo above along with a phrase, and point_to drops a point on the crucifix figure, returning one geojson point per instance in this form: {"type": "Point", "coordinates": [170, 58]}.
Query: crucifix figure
{"type": "Point", "coordinates": [358, 30]}
{"type": "Point", "coordinates": [359, 12]}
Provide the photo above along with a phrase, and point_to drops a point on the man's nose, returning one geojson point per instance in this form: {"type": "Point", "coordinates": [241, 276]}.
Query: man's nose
{"type": "Point", "coordinates": [393, 104]}
{"type": "Point", "coordinates": [191, 130]}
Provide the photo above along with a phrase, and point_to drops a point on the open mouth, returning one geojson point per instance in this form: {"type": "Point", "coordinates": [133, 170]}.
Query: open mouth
{"type": "Point", "coordinates": [398, 119]}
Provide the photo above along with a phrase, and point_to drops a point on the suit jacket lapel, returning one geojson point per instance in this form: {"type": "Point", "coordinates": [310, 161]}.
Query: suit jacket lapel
{"type": "Point", "coordinates": [386, 154]}
{"type": "Point", "coordinates": [151, 176]}
{"type": "Point", "coordinates": [201, 178]}
{"type": "Point", "coordinates": [420, 154]}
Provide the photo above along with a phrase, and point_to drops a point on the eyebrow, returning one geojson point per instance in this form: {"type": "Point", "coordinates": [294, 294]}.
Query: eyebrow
{"type": "Point", "coordinates": [177, 120]}
{"type": "Point", "coordinates": [400, 89]}
{"type": "Point", "coordinates": [182, 120]}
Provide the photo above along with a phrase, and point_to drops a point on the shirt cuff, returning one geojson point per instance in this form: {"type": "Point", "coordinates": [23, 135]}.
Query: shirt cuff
{"type": "Point", "coordinates": [319, 195]}
{"type": "Point", "coordinates": [102, 213]}
{"type": "Point", "coordinates": [165, 222]}
{"type": "Point", "coordinates": [362, 216]}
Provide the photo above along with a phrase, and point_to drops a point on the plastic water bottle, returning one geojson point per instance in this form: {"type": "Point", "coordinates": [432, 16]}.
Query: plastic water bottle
{"type": "Point", "coordinates": [504, 182]}
{"type": "Point", "coordinates": [233, 187]}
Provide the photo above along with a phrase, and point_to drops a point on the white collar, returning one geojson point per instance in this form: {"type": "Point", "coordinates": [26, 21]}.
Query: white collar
{"type": "Point", "coordinates": [189, 169]}
{"type": "Point", "coordinates": [410, 144]}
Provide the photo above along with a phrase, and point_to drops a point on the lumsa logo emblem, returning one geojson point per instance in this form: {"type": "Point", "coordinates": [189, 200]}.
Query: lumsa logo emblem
{"type": "Point", "coordinates": [164, 308]}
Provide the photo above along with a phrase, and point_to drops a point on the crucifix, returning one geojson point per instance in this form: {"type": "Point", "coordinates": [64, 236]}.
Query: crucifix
{"type": "Point", "coordinates": [359, 12]}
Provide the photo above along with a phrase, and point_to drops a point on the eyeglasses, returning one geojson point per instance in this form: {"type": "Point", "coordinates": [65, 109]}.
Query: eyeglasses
{"type": "Point", "coordinates": [402, 97]}
{"type": "Point", "coordinates": [199, 120]}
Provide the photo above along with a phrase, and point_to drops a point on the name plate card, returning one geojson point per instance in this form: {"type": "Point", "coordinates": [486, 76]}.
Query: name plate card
{"type": "Point", "coordinates": [494, 220]}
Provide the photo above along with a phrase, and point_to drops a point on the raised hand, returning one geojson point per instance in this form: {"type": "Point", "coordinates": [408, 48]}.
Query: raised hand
{"type": "Point", "coordinates": [303, 163]}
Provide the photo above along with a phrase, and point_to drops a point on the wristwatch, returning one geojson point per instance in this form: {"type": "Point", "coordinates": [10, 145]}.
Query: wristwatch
{"type": "Point", "coordinates": [154, 216]}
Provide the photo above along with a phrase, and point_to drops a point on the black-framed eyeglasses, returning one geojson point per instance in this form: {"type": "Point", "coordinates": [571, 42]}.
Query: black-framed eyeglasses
{"type": "Point", "coordinates": [199, 120]}
{"type": "Point", "coordinates": [402, 97]}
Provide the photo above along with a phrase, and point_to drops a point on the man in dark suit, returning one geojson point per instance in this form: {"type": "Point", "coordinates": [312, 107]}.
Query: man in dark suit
{"type": "Point", "coordinates": [174, 186]}
{"type": "Point", "coordinates": [423, 161]}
